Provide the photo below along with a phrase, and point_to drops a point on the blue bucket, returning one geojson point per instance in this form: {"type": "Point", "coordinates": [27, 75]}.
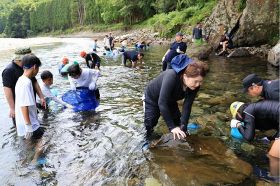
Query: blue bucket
{"type": "Point", "coordinates": [235, 133]}
{"type": "Point", "coordinates": [81, 99]}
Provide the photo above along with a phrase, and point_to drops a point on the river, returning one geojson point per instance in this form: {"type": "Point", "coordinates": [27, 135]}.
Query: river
{"type": "Point", "coordinates": [105, 147]}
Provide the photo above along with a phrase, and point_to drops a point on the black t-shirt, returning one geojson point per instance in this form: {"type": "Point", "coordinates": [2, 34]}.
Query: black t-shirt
{"type": "Point", "coordinates": [10, 76]}
{"type": "Point", "coordinates": [172, 53]}
{"type": "Point", "coordinates": [131, 55]}
{"type": "Point", "coordinates": [92, 57]}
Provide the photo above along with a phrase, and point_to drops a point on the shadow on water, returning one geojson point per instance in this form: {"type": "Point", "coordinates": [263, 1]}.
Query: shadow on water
{"type": "Point", "coordinates": [104, 147]}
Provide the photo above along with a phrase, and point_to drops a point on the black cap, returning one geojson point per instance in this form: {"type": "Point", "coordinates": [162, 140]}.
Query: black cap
{"type": "Point", "coordinates": [250, 80]}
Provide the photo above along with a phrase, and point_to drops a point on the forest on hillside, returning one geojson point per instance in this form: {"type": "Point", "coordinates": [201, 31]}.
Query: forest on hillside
{"type": "Point", "coordinates": [23, 18]}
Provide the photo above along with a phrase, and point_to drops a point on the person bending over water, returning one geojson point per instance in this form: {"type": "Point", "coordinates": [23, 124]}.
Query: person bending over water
{"type": "Point", "coordinates": [163, 92]}
{"type": "Point", "coordinates": [84, 78]}
{"type": "Point", "coordinates": [132, 56]}
{"type": "Point", "coordinates": [262, 115]}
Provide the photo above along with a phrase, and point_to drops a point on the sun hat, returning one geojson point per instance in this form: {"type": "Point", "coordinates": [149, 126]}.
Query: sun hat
{"type": "Point", "coordinates": [20, 52]}
{"type": "Point", "coordinates": [180, 62]}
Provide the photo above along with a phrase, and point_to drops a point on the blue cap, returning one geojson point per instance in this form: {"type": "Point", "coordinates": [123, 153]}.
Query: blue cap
{"type": "Point", "coordinates": [180, 62]}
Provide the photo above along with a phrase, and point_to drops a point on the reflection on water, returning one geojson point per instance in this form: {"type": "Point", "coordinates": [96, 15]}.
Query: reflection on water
{"type": "Point", "coordinates": [104, 147]}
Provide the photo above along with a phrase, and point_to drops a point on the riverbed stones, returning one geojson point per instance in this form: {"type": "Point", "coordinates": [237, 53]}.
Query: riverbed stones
{"type": "Point", "coordinates": [200, 160]}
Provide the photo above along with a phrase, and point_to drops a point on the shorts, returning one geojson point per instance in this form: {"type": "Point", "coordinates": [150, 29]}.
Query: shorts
{"type": "Point", "coordinates": [37, 134]}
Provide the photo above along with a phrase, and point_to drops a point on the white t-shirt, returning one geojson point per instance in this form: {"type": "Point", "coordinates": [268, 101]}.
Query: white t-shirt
{"type": "Point", "coordinates": [106, 42]}
{"type": "Point", "coordinates": [88, 79]}
{"type": "Point", "coordinates": [25, 97]}
{"type": "Point", "coordinates": [48, 94]}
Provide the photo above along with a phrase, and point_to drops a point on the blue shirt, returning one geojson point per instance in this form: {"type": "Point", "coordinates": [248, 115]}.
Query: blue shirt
{"type": "Point", "coordinates": [131, 55]}
{"type": "Point", "coordinates": [172, 53]}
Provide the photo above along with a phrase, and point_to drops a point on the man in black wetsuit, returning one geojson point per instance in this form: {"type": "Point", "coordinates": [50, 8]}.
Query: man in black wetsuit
{"type": "Point", "coordinates": [262, 115]}
{"type": "Point", "coordinates": [256, 86]}
{"type": "Point", "coordinates": [92, 59]}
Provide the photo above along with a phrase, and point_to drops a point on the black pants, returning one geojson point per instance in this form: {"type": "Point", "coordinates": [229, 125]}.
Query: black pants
{"type": "Point", "coordinates": [94, 63]}
{"type": "Point", "coordinates": [152, 114]}
{"type": "Point", "coordinates": [97, 94]}
{"type": "Point", "coordinates": [124, 60]}
{"type": "Point", "coordinates": [37, 134]}
{"type": "Point", "coordinates": [166, 65]}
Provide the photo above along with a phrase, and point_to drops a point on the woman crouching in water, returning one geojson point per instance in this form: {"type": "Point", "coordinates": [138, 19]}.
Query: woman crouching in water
{"type": "Point", "coordinates": [163, 92]}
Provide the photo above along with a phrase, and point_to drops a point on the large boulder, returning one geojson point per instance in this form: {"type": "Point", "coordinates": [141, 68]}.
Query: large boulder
{"type": "Point", "coordinates": [201, 52]}
{"type": "Point", "coordinates": [259, 23]}
{"type": "Point", "coordinates": [255, 25]}
{"type": "Point", "coordinates": [274, 55]}
{"type": "Point", "coordinates": [224, 17]}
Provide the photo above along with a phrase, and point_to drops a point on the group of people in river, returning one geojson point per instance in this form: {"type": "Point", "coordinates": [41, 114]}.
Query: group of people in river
{"type": "Point", "coordinates": [180, 79]}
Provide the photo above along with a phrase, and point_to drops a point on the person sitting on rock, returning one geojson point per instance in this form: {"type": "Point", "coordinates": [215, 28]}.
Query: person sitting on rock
{"type": "Point", "coordinates": [225, 43]}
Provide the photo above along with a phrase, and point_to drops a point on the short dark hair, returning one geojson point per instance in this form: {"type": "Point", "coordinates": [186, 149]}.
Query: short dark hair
{"type": "Point", "coordinates": [29, 60]}
{"type": "Point", "coordinates": [74, 70]}
{"type": "Point", "coordinates": [141, 54]}
{"type": "Point", "coordinates": [46, 75]}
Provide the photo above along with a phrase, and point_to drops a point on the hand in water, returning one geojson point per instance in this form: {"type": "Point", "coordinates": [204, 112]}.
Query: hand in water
{"type": "Point", "coordinates": [179, 133]}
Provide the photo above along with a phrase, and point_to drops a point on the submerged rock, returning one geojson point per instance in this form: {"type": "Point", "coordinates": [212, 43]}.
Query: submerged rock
{"type": "Point", "coordinates": [199, 160]}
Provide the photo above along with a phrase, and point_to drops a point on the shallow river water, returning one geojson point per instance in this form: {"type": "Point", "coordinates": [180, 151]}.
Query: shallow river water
{"type": "Point", "coordinates": [105, 147]}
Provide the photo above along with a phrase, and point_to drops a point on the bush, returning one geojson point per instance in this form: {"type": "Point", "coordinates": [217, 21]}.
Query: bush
{"type": "Point", "coordinates": [168, 24]}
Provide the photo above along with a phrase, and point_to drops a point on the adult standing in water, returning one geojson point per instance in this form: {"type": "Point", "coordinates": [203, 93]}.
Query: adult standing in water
{"type": "Point", "coordinates": [178, 47]}
{"type": "Point", "coordinates": [10, 76]}
{"type": "Point", "coordinates": [111, 41]}
{"type": "Point", "coordinates": [163, 92]}
{"type": "Point", "coordinates": [256, 86]}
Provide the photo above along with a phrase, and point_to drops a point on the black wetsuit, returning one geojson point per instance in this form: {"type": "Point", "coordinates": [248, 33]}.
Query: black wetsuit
{"type": "Point", "coordinates": [172, 53]}
{"type": "Point", "coordinates": [263, 115]}
{"type": "Point", "coordinates": [271, 90]}
{"type": "Point", "coordinates": [95, 60]}
{"type": "Point", "coordinates": [129, 55]}
{"type": "Point", "coordinates": [161, 96]}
